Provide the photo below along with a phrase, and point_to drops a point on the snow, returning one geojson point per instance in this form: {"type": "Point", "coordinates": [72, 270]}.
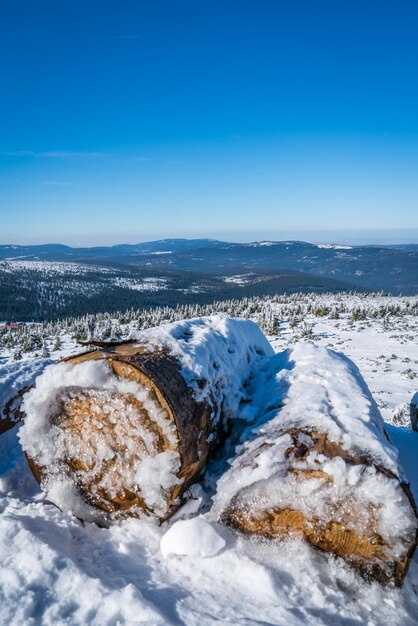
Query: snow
{"type": "Point", "coordinates": [15, 377]}
{"type": "Point", "coordinates": [401, 416]}
{"type": "Point", "coordinates": [322, 390]}
{"type": "Point", "coordinates": [55, 570]}
{"type": "Point", "coordinates": [144, 284]}
{"type": "Point", "coordinates": [217, 354]}
{"type": "Point", "coordinates": [51, 268]}
{"type": "Point", "coordinates": [406, 441]}
{"type": "Point", "coordinates": [193, 537]}
{"type": "Point", "coordinates": [333, 246]}
{"type": "Point", "coordinates": [263, 244]}
{"type": "Point", "coordinates": [238, 279]}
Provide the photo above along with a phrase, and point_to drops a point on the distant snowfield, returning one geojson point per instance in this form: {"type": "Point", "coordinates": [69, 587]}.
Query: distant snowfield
{"type": "Point", "coordinates": [333, 246]}
{"type": "Point", "coordinates": [55, 268]}
{"type": "Point", "coordinates": [56, 571]}
{"type": "Point", "coordinates": [262, 244]}
{"type": "Point", "coordinates": [238, 279]}
{"type": "Point", "coordinates": [144, 284]}
{"type": "Point", "coordinates": [81, 278]}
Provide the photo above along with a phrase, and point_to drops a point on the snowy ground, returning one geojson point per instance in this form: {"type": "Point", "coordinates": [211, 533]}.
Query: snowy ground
{"type": "Point", "coordinates": [56, 571]}
{"type": "Point", "coordinates": [53, 268]}
{"type": "Point", "coordinates": [387, 356]}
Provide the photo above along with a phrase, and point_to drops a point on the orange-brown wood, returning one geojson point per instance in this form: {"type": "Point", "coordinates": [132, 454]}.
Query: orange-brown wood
{"type": "Point", "coordinates": [85, 415]}
{"type": "Point", "coordinates": [351, 533]}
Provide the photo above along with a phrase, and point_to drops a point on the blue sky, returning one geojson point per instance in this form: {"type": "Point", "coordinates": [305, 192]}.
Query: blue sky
{"type": "Point", "coordinates": [128, 121]}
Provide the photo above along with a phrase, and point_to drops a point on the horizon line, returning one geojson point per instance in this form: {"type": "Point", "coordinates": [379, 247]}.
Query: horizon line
{"type": "Point", "coordinates": [318, 242]}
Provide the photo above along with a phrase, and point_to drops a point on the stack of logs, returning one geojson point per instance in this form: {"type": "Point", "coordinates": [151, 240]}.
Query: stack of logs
{"type": "Point", "coordinates": [186, 429]}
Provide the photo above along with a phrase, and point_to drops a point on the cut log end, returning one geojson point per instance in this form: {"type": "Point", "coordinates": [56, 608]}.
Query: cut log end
{"type": "Point", "coordinates": [105, 437]}
{"type": "Point", "coordinates": [309, 501]}
{"type": "Point", "coordinates": [366, 552]}
{"type": "Point", "coordinates": [131, 448]}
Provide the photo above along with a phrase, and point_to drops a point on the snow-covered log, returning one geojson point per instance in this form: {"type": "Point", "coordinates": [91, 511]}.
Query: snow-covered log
{"type": "Point", "coordinates": [129, 427]}
{"type": "Point", "coordinates": [320, 465]}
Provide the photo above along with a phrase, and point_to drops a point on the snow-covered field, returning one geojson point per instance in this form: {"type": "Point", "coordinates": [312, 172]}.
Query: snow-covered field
{"type": "Point", "coordinates": [239, 279]}
{"type": "Point", "coordinates": [54, 268]}
{"type": "Point", "coordinates": [55, 570]}
{"type": "Point", "coordinates": [146, 284]}
{"type": "Point", "coordinates": [385, 352]}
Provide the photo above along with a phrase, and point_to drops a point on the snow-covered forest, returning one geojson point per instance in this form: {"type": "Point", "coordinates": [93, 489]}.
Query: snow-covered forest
{"type": "Point", "coordinates": [354, 323]}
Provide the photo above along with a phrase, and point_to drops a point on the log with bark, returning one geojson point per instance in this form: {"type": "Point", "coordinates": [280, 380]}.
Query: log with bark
{"type": "Point", "coordinates": [320, 466]}
{"type": "Point", "coordinates": [125, 429]}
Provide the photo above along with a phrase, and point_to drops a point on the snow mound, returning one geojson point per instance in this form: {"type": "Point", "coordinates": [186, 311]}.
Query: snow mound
{"type": "Point", "coordinates": [193, 537]}
{"type": "Point", "coordinates": [314, 388]}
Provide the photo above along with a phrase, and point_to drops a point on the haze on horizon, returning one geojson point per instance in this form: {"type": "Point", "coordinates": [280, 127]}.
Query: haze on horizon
{"type": "Point", "coordinates": [233, 120]}
{"type": "Point", "coordinates": [349, 237]}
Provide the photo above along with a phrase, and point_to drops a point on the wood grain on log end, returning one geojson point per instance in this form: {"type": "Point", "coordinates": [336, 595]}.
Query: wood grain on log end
{"type": "Point", "coordinates": [349, 527]}
{"type": "Point", "coordinates": [90, 419]}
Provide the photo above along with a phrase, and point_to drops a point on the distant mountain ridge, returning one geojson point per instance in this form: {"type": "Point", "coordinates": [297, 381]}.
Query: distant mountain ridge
{"type": "Point", "coordinates": [389, 268]}
{"type": "Point", "coordinates": [61, 252]}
